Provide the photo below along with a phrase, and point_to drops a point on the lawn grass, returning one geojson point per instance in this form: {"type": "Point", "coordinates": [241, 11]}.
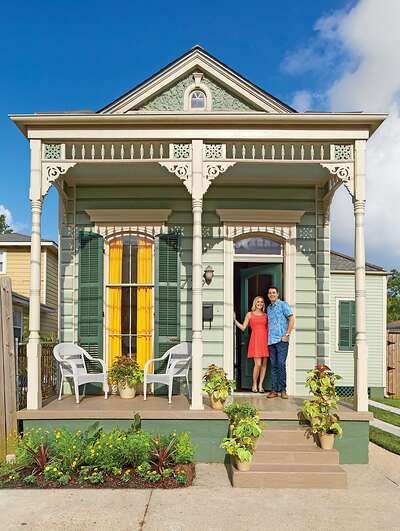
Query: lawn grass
{"type": "Point", "coordinates": [385, 440]}
{"type": "Point", "coordinates": [386, 416]}
{"type": "Point", "coordinates": [394, 402]}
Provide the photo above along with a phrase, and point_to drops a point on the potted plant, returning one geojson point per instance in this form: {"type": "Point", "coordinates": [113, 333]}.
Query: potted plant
{"type": "Point", "coordinates": [126, 374]}
{"type": "Point", "coordinates": [239, 410]}
{"type": "Point", "coordinates": [217, 386]}
{"type": "Point", "coordinates": [248, 427]}
{"type": "Point", "coordinates": [241, 450]}
{"type": "Point", "coordinates": [319, 411]}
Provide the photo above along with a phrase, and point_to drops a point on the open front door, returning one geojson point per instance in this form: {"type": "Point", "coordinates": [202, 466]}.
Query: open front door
{"type": "Point", "coordinates": [251, 280]}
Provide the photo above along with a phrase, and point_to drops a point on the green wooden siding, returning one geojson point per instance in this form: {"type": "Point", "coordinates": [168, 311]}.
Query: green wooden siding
{"type": "Point", "coordinates": [174, 196]}
{"type": "Point", "coordinates": [342, 287]}
{"type": "Point", "coordinates": [90, 294]}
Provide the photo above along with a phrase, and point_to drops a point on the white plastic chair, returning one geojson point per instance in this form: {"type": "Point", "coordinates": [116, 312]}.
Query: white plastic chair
{"type": "Point", "coordinates": [178, 364]}
{"type": "Point", "coordinates": [71, 359]}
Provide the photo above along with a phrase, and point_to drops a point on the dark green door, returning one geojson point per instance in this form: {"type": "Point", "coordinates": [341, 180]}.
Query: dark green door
{"type": "Point", "coordinates": [254, 281]}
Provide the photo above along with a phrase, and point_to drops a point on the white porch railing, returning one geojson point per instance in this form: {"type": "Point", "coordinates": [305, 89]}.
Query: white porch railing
{"type": "Point", "coordinates": [230, 151]}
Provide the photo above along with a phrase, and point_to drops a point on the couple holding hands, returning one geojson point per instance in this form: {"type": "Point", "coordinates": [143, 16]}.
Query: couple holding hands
{"type": "Point", "coordinates": [270, 333]}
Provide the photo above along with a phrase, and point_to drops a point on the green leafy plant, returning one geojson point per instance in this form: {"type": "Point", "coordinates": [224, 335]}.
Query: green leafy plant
{"type": "Point", "coordinates": [238, 410]}
{"type": "Point", "coordinates": [181, 477]}
{"type": "Point", "coordinates": [143, 469]}
{"type": "Point", "coordinates": [125, 372]}
{"type": "Point", "coordinates": [135, 448]}
{"type": "Point", "coordinates": [126, 476]}
{"type": "Point", "coordinates": [319, 410]}
{"type": "Point", "coordinates": [184, 449]}
{"type": "Point", "coordinates": [241, 449]}
{"type": "Point", "coordinates": [30, 479]}
{"type": "Point", "coordinates": [216, 383]}
{"type": "Point", "coordinates": [247, 427]}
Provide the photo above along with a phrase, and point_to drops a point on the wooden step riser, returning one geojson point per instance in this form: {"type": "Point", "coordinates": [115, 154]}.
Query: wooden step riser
{"type": "Point", "coordinates": [306, 458]}
{"type": "Point", "coordinates": [284, 480]}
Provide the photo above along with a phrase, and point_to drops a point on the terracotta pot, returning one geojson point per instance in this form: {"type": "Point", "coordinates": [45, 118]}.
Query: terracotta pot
{"type": "Point", "coordinates": [217, 403]}
{"type": "Point", "coordinates": [126, 392]}
{"type": "Point", "coordinates": [326, 440]}
{"type": "Point", "coordinates": [244, 466]}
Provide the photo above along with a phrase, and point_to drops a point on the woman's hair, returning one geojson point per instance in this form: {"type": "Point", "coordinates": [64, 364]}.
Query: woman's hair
{"type": "Point", "coordinates": [253, 306]}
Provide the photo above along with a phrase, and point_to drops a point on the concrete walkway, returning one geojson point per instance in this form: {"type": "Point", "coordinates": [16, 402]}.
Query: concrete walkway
{"type": "Point", "coordinates": [212, 505]}
{"type": "Point", "coordinates": [385, 426]}
{"type": "Point", "coordinates": [386, 407]}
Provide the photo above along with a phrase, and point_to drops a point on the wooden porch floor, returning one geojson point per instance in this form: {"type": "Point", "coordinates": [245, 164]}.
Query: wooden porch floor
{"type": "Point", "coordinates": [157, 407]}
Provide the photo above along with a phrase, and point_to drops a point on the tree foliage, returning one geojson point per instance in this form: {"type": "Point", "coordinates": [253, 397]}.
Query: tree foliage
{"type": "Point", "coordinates": [393, 299]}
{"type": "Point", "coordinates": [4, 228]}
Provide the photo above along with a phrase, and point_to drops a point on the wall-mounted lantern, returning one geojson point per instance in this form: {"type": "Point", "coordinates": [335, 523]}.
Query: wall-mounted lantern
{"type": "Point", "coordinates": [208, 275]}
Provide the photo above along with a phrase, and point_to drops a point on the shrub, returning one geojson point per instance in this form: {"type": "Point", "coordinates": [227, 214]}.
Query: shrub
{"type": "Point", "coordinates": [162, 452]}
{"type": "Point", "coordinates": [136, 448]}
{"type": "Point", "coordinates": [184, 449]}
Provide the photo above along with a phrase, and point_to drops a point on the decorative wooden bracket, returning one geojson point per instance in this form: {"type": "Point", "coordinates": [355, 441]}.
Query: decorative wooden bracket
{"type": "Point", "coordinates": [183, 170]}
{"type": "Point", "coordinates": [52, 172]}
{"type": "Point", "coordinates": [212, 170]}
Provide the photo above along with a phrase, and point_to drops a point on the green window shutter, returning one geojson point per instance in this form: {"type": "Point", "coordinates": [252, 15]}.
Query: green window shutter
{"type": "Point", "coordinates": [167, 294]}
{"type": "Point", "coordinates": [346, 325]}
{"type": "Point", "coordinates": [90, 295]}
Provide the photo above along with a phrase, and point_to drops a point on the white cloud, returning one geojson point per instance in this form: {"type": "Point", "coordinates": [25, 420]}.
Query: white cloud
{"type": "Point", "coordinates": [17, 227]}
{"type": "Point", "coordinates": [363, 45]}
{"type": "Point", "coordinates": [302, 100]}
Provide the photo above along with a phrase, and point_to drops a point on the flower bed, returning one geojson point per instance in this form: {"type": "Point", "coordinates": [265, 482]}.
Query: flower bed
{"type": "Point", "coordinates": [93, 458]}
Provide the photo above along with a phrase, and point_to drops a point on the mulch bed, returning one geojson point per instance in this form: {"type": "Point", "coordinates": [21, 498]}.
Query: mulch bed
{"type": "Point", "coordinates": [110, 482]}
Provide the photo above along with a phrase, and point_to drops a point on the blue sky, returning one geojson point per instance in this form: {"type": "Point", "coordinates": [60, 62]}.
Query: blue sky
{"type": "Point", "coordinates": [82, 55]}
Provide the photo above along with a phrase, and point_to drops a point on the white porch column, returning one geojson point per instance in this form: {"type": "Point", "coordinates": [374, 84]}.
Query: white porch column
{"type": "Point", "coordinates": [34, 396]}
{"type": "Point", "coordinates": [361, 346]}
{"type": "Point", "coordinates": [197, 275]}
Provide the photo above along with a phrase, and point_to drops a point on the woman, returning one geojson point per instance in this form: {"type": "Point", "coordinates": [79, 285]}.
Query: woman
{"type": "Point", "coordinates": [258, 344]}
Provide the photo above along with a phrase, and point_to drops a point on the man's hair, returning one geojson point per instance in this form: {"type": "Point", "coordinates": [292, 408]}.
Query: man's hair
{"type": "Point", "coordinates": [275, 288]}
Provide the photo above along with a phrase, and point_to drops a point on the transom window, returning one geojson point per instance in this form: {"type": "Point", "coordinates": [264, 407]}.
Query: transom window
{"type": "Point", "coordinates": [197, 100]}
{"type": "Point", "coordinates": [257, 245]}
{"type": "Point", "coordinates": [130, 298]}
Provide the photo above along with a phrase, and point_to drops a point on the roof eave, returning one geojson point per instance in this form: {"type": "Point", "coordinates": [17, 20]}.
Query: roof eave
{"type": "Point", "coordinates": [372, 121]}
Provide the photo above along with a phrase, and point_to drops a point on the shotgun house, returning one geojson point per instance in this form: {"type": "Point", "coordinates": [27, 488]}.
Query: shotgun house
{"type": "Point", "coordinates": [180, 201]}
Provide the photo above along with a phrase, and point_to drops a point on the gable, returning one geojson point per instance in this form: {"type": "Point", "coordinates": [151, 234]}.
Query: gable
{"type": "Point", "coordinates": [173, 98]}
{"type": "Point", "coordinates": [167, 90]}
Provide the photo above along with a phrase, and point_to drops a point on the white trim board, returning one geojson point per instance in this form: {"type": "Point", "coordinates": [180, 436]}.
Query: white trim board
{"type": "Point", "coordinates": [231, 216]}
{"type": "Point", "coordinates": [138, 216]}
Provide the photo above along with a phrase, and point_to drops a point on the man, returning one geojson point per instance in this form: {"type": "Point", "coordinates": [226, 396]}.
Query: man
{"type": "Point", "coordinates": [280, 325]}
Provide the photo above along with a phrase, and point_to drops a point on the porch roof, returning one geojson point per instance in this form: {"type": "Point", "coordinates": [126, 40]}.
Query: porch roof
{"type": "Point", "coordinates": [29, 124]}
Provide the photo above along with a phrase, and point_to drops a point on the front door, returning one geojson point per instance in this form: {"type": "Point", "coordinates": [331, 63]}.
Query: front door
{"type": "Point", "coordinates": [252, 280]}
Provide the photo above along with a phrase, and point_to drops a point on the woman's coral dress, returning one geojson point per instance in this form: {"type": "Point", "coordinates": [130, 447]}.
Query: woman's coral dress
{"type": "Point", "coordinates": [258, 344]}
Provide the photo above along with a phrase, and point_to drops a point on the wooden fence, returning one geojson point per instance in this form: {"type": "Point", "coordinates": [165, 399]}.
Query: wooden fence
{"type": "Point", "coordinates": [393, 363]}
{"type": "Point", "coordinates": [8, 413]}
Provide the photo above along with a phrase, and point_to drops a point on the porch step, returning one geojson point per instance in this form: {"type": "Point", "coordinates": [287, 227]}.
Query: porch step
{"type": "Point", "coordinates": [291, 476]}
{"type": "Point", "coordinates": [296, 454]}
{"type": "Point", "coordinates": [285, 458]}
{"type": "Point", "coordinates": [285, 434]}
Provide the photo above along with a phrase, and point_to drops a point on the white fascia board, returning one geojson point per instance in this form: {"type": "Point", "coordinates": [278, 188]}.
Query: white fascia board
{"type": "Point", "coordinates": [257, 217]}
{"type": "Point", "coordinates": [28, 244]}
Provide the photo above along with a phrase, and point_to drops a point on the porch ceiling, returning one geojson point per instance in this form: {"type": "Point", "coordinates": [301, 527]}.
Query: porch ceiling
{"type": "Point", "coordinates": [242, 173]}
{"type": "Point", "coordinates": [273, 174]}
{"type": "Point", "coordinates": [103, 173]}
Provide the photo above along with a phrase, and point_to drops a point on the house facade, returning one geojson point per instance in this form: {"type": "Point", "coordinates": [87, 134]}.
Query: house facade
{"type": "Point", "coordinates": [343, 324]}
{"type": "Point", "coordinates": [182, 200]}
{"type": "Point", "coordinates": [15, 254]}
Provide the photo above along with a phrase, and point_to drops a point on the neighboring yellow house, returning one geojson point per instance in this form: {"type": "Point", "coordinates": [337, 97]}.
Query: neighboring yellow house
{"type": "Point", "coordinates": [15, 252]}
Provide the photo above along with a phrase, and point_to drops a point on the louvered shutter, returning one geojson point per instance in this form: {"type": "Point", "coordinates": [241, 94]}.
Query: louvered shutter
{"type": "Point", "coordinates": [347, 330]}
{"type": "Point", "coordinates": [90, 295]}
{"type": "Point", "coordinates": [167, 294]}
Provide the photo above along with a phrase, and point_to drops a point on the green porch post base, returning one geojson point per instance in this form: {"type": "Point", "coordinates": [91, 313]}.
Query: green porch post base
{"type": "Point", "coordinates": [353, 446]}
{"type": "Point", "coordinates": [206, 435]}
{"type": "Point", "coordinates": [376, 392]}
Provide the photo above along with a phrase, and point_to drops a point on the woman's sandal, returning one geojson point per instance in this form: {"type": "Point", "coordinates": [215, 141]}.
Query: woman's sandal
{"type": "Point", "coordinates": [254, 391]}
{"type": "Point", "coordinates": [261, 391]}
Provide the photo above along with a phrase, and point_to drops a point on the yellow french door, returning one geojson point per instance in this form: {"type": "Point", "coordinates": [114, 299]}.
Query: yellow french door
{"type": "Point", "coordinates": [130, 298]}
